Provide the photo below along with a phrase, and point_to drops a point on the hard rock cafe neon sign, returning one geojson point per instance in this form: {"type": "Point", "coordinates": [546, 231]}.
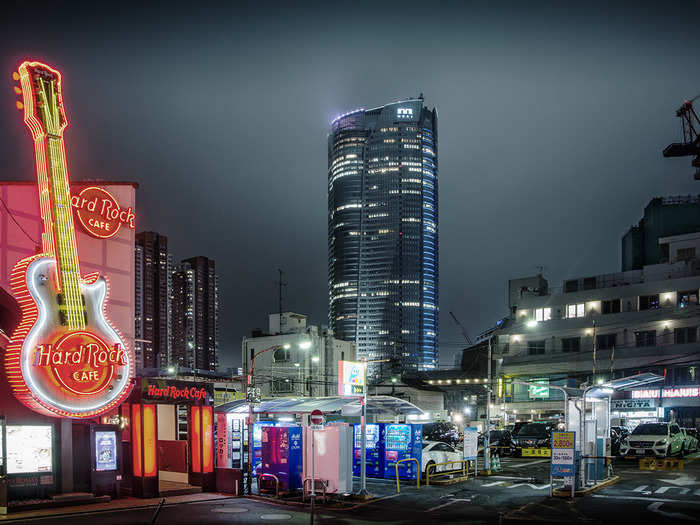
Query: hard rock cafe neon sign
{"type": "Point", "coordinates": [64, 358]}
{"type": "Point", "coordinates": [99, 212]}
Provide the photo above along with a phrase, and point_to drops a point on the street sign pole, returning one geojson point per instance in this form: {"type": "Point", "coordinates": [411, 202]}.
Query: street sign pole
{"type": "Point", "coordinates": [316, 420]}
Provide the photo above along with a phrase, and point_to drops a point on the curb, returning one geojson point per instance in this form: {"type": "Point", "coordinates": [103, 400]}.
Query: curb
{"type": "Point", "coordinates": [559, 493]}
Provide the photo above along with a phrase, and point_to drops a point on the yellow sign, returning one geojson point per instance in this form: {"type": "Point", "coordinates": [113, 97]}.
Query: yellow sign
{"type": "Point", "coordinates": [562, 440]}
{"type": "Point", "coordinates": [536, 452]}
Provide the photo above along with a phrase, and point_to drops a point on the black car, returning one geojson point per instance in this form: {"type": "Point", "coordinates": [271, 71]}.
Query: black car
{"type": "Point", "coordinates": [445, 432]}
{"type": "Point", "coordinates": [532, 435]}
{"type": "Point", "coordinates": [499, 441]}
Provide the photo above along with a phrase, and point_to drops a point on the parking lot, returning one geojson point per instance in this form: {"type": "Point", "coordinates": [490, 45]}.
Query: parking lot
{"type": "Point", "coordinates": [520, 493]}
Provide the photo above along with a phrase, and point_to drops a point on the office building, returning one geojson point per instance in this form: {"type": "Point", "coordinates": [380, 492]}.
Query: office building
{"type": "Point", "coordinates": [195, 304]}
{"type": "Point", "coordinates": [383, 235]}
{"type": "Point", "coordinates": [302, 360]}
{"type": "Point", "coordinates": [152, 319]}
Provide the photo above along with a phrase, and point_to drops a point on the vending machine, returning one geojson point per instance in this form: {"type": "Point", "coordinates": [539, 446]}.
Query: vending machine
{"type": "Point", "coordinates": [402, 441]}
{"type": "Point", "coordinates": [257, 444]}
{"type": "Point", "coordinates": [374, 457]}
{"type": "Point", "coordinates": [330, 449]}
{"type": "Point", "coordinates": [282, 456]}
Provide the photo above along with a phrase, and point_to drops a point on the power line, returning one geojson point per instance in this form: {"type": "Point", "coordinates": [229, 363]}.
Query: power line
{"type": "Point", "coordinates": [12, 216]}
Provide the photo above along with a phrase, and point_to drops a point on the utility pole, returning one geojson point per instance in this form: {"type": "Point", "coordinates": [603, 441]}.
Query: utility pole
{"type": "Point", "coordinates": [487, 433]}
{"type": "Point", "coordinates": [280, 283]}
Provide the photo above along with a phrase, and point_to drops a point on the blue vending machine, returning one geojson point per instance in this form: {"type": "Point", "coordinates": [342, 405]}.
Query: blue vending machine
{"type": "Point", "coordinates": [282, 456]}
{"type": "Point", "coordinates": [402, 441]}
{"type": "Point", "coordinates": [374, 457]}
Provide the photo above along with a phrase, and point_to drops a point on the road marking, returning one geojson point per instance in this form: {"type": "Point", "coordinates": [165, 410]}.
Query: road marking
{"type": "Point", "coordinates": [448, 503]}
{"type": "Point", "coordinates": [655, 507]}
{"type": "Point", "coordinates": [662, 490]}
{"type": "Point", "coordinates": [536, 487]}
{"type": "Point", "coordinates": [640, 488]}
{"type": "Point", "coordinates": [493, 484]}
{"type": "Point", "coordinates": [639, 498]}
{"type": "Point", "coordinates": [530, 463]}
{"type": "Point", "coordinates": [681, 480]}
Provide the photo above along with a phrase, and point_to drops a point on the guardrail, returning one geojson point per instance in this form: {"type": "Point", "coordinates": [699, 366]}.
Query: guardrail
{"type": "Point", "coordinates": [464, 469]}
{"type": "Point", "coordinates": [277, 483]}
{"type": "Point", "coordinates": [324, 484]}
{"type": "Point", "coordinates": [398, 486]}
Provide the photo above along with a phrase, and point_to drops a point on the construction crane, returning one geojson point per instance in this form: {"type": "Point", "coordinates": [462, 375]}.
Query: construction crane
{"type": "Point", "coordinates": [690, 147]}
{"type": "Point", "coordinates": [464, 332]}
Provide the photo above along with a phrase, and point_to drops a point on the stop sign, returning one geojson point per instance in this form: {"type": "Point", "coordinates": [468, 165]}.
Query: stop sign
{"type": "Point", "coordinates": [316, 417]}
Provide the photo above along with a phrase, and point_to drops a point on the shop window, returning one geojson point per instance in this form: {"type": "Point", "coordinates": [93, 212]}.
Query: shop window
{"type": "Point", "coordinates": [649, 302]}
{"type": "Point", "coordinates": [543, 314]}
{"type": "Point", "coordinates": [611, 307]}
{"type": "Point", "coordinates": [535, 347]}
{"type": "Point", "coordinates": [645, 338]}
{"type": "Point", "coordinates": [605, 341]}
{"type": "Point", "coordinates": [575, 310]}
{"type": "Point", "coordinates": [686, 335]}
{"type": "Point", "coordinates": [687, 298]}
{"type": "Point", "coordinates": [571, 344]}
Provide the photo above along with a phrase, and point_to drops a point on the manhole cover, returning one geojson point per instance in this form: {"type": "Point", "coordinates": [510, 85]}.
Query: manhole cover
{"type": "Point", "coordinates": [272, 517]}
{"type": "Point", "coordinates": [229, 510]}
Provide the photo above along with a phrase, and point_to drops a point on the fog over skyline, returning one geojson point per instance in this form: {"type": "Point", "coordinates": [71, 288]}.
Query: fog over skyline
{"type": "Point", "coordinates": [551, 122]}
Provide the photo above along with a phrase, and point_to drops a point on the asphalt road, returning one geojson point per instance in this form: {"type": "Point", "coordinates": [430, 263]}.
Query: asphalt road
{"type": "Point", "coordinates": [519, 493]}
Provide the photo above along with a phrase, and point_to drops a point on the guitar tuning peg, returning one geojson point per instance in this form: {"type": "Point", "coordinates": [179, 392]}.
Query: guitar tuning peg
{"type": "Point", "coordinates": [19, 105]}
{"type": "Point", "coordinates": [15, 75]}
{"type": "Point", "coordinates": [18, 90]}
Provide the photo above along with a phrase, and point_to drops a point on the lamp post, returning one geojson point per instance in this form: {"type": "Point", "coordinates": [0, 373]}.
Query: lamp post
{"type": "Point", "coordinates": [248, 386]}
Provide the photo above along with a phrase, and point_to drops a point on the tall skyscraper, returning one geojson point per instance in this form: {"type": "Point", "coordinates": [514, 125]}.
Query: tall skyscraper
{"type": "Point", "coordinates": [383, 234]}
{"type": "Point", "coordinates": [195, 302]}
{"type": "Point", "coordinates": [152, 308]}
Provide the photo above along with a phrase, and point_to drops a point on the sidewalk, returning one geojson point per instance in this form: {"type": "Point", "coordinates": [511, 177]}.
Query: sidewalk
{"type": "Point", "coordinates": [121, 504]}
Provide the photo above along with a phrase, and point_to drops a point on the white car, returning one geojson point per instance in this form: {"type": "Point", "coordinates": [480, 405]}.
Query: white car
{"type": "Point", "coordinates": [655, 439]}
{"type": "Point", "coordinates": [436, 452]}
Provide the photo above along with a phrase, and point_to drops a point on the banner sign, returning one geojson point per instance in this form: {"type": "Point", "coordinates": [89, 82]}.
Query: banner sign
{"type": "Point", "coordinates": [563, 444]}
{"type": "Point", "coordinates": [176, 392]}
{"type": "Point", "coordinates": [351, 378]}
{"type": "Point", "coordinates": [536, 452]}
{"type": "Point", "coordinates": [539, 392]}
{"type": "Point", "coordinates": [632, 404]}
{"type": "Point", "coordinates": [668, 392]}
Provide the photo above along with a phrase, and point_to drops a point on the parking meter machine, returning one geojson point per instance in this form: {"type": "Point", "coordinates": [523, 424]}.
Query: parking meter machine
{"type": "Point", "coordinates": [402, 441]}
{"type": "Point", "coordinates": [282, 455]}
{"type": "Point", "coordinates": [374, 457]}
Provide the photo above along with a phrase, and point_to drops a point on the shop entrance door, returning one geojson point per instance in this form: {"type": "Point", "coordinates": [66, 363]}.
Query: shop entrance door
{"type": "Point", "coordinates": [82, 463]}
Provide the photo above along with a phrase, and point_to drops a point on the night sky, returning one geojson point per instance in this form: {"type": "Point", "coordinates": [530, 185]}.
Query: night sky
{"type": "Point", "coordinates": [552, 119]}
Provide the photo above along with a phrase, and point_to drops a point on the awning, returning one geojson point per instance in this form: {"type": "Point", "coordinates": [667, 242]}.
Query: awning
{"type": "Point", "coordinates": [343, 405]}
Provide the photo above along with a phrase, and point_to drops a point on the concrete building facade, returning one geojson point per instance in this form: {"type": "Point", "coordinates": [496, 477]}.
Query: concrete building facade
{"type": "Point", "coordinates": [303, 360]}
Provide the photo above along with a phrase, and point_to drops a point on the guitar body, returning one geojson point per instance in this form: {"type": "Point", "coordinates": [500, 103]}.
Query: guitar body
{"type": "Point", "coordinates": [80, 371]}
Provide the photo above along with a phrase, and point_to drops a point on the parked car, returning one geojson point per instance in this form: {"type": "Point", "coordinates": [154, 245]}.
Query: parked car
{"type": "Point", "coordinates": [654, 439]}
{"type": "Point", "coordinates": [532, 435]}
{"type": "Point", "coordinates": [436, 452]}
{"type": "Point", "coordinates": [445, 432]}
{"type": "Point", "coordinates": [517, 426]}
{"type": "Point", "coordinates": [499, 440]}
{"type": "Point", "coordinates": [617, 436]}
{"type": "Point", "coordinates": [691, 439]}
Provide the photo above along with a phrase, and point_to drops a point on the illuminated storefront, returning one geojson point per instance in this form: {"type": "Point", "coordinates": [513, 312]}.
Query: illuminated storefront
{"type": "Point", "coordinates": [680, 403]}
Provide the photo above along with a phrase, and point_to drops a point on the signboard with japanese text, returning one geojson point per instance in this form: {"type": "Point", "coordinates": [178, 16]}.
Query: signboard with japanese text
{"type": "Point", "coordinates": [471, 443]}
{"type": "Point", "coordinates": [351, 378]}
{"type": "Point", "coordinates": [563, 445]}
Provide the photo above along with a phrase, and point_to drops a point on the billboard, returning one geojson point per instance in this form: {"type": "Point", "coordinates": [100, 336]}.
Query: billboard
{"type": "Point", "coordinates": [351, 378]}
{"type": "Point", "coordinates": [29, 449]}
{"type": "Point", "coordinates": [105, 450]}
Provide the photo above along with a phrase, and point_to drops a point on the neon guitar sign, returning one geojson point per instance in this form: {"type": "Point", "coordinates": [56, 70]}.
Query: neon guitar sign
{"type": "Point", "coordinates": [65, 359]}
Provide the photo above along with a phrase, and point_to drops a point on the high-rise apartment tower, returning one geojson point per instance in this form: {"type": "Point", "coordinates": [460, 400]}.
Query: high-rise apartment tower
{"type": "Point", "coordinates": [152, 321]}
{"type": "Point", "coordinates": [195, 302]}
{"type": "Point", "coordinates": [383, 235]}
